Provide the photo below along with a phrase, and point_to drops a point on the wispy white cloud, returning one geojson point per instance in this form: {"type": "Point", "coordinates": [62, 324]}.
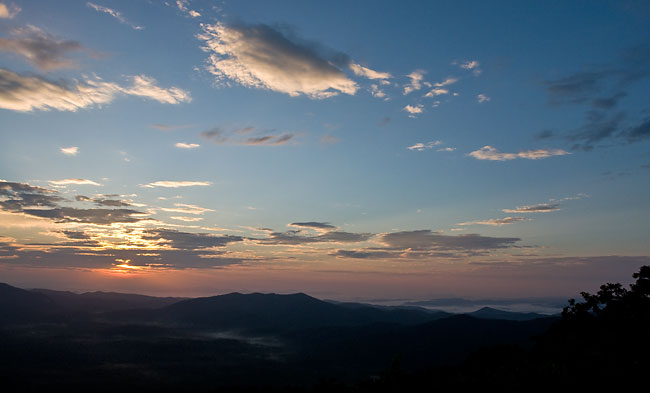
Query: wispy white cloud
{"type": "Point", "coordinates": [259, 56]}
{"type": "Point", "coordinates": [25, 93]}
{"type": "Point", "coordinates": [8, 11]}
{"type": "Point", "coordinates": [413, 110]}
{"type": "Point", "coordinates": [41, 49]}
{"type": "Point", "coordinates": [115, 14]}
{"type": "Point", "coordinates": [446, 149]}
{"type": "Point", "coordinates": [176, 184]}
{"type": "Point", "coordinates": [424, 146]}
{"type": "Point", "coordinates": [376, 91]}
{"type": "Point", "coordinates": [145, 86]}
{"type": "Point", "coordinates": [76, 182]}
{"type": "Point", "coordinates": [492, 154]}
{"type": "Point", "coordinates": [70, 151]}
{"type": "Point", "coordinates": [437, 92]}
{"type": "Point", "coordinates": [182, 145]}
{"type": "Point", "coordinates": [247, 136]}
{"type": "Point", "coordinates": [481, 98]}
{"type": "Point", "coordinates": [360, 70]}
{"type": "Point", "coordinates": [497, 222]}
{"type": "Point", "coordinates": [446, 82]}
{"type": "Point", "coordinates": [416, 78]}
{"type": "Point", "coordinates": [186, 209]}
{"type": "Point", "coordinates": [187, 219]}
{"type": "Point", "coordinates": [472, 65]}
{"type": "Point", "coordinates": [538, 208]}
{"type": "Point", "coordinates": [183, 5]}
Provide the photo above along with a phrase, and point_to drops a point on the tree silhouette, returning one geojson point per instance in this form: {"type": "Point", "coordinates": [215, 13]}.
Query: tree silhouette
{"type": "Point", "coordinates": [613, 301]}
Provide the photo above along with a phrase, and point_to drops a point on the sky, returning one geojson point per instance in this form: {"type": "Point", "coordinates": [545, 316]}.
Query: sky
{"type": "Point", "coordinates": [367, 150]}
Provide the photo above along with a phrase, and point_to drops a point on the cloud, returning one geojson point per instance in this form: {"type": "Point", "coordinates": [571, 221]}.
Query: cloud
{"type": "Point", "coordinates": [600, 89]}
{"type": "Point", "coordinates": [39, 48]}
{"type": "Point", "coordinates": [8, 11]}
{"type": "Point", "coordinates": [46, 203]}
{"type": "Point", "coordinates": [327, 233]}
{"type": "Point", "coordinates": [538, 208]}
{"type": "Point", "coordinates": [413, 110]}
{"type": "Point", "coordinates": [186, 219]}
{"type": "Point", "coordinates": [16, 196]}
{"type": "Point", "coordinates": [428, 240]}
{"type": "Point", "coordinates": [167, 127]}
{"type": "Point", "coordinates": [27, 93]}
{"type": "Point", "coordinates": [115, 14]}
{"type": "Point", "coordinates": [78, 182]}
{"type": "Point", "coordinates": [368, 73]}
{"type": "Point", "coordinates": [481, 98]}
{"type": "Point", "coordinates": [436, 92]}
{"type": "Point", "coordinates": [186, 209]}
{"type": "Point", "coordinates": [492, 154]}
{"type": "Point", "coordinates": [144, 86]}
{"type": "Point", "coordinates": [471, 65]}
{"type": "Point", "coordinates": [103, 202]}
{"type": "Point", "coordinates": [446, 82]}
{"type": "Point", "coordinates": [88, 216]}
{"type": "Point", "coordinates": [70, 151]}
{"type": "Point", "coordinates": [243, 137]}
{"type": "Point", "coordinates": [424, 146]}
{"type": "Point", "coordinates": [426, 244]}
{"type": "Point", "coordinates": [176, 184]}
{"type": "Point", "coordinates": [598, 127]}
{"type": "Point", "coordinates": [182, 145]}
{"type": "Point", "coordinates": [446, 149]}
{"type": "Point", "coordinates": [314, 225]}
{"type": "Point", "coordinates": [495, 221]}
{"type": "Point", "coordinates": [363, 254]}
{"type": "Point", "coordinates": [183, 6]}
{"type": "Point", "coordinates": [377, 92]}
{"type": "Point", "coordinates": [189, 241]}
{"type": "Point", "coordinates": [416, 78]}
{"type": "Point", "coordinates": [259, 56]}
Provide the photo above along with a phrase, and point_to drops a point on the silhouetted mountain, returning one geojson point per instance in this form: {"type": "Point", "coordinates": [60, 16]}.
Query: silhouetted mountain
{"type": "Point", "coordinates": [19, 305]}
{"type": "Point", "coordinates": [98, 302]}
{"type": "Point", "coordinates": [460, 305]}
{"type": "Point", "coordinates": [206, 344]}
{"type": "Point", "coordinates": [439, 313]}
{"type": "Point", "coordinates": [272, 312]}
{"type": "Point", "coordinates": [493, 313]}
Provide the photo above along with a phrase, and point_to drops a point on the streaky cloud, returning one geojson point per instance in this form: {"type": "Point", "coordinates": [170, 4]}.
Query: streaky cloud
{"type": "Point", "coordinates": [538, 208]}
{"type": "Point", "coordinates": [40, 49]}
{"type": "Point", "coordinates": [360, 70]}
{"type": "Point", "coordinates": [77, 182]}
{"type": "Point", "coordinates": [492, 154]}
{"type": "Point", "coordinates": [23, 93]}
{"type": "Point", "coordinates": [70, 151]}
{"type": "Point", "coordinates": [261, 57]}
{"type": "Point", "coordinates": [115, 14]}
{"type": "Point", "coordinates": [8, 11]}
{"type": "Point", "coordinates": [177, 184]}
{"type": "Point", "coordinates": [495, 221]}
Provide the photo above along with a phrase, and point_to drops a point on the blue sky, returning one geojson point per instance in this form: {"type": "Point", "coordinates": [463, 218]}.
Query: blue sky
{"type": "Point", "coordinates": [356, 150]}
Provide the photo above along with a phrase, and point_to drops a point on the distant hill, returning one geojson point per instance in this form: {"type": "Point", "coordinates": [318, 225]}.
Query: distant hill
{"type": "Point", "coordinates": [19, 305]}
{"type": "Point", "coordinates": [284, 312]}
{"type": "Point", "coordinates": [98, 302]}
{"type": "Point", "coordinates": [493, 313]}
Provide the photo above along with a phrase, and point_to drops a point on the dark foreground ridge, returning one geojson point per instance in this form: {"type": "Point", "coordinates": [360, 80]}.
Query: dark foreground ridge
{"type": "Point", "coordinates": [267, 342]}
